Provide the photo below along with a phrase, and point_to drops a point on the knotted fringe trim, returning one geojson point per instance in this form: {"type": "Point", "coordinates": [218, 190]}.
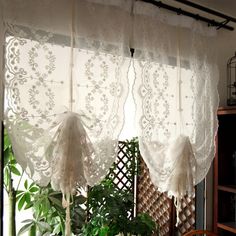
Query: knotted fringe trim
{"type": "Point", "coordinates": [66, 204]}
{"type": "Point", "coordinates": [177, 203]}
{"type": "Point", "coordinates": [70, 149]}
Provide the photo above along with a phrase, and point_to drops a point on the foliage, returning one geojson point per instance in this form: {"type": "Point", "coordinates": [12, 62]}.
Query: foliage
{"type": "Point", "coordinates": [133, 151]}
{"type": "Point", "coordinates": [110, 209]}
{"type": "Point", "coordinates": [10, 166]}
{"type": "Point", "coordinates": [10, 169]}
{"type": "Point", "coordinates": [49, 215]}
{"type": "Point", "coordinates": [46, 204]}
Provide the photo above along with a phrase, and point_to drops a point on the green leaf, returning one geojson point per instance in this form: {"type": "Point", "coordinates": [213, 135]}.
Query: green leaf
{"type": "Point", "coordinates": [26, 184]}
{"type": "Point", "coordinates": [6, 176]}
{"type": "Point", "coordinates": [34, 189]}
{"type": "Point", "coordinates": [57, 229]}
{"type": "Point", "coordinates": [27, 221]}
{"type": "Point", "coordinates": [28, 206]}
{"type": "Point", "coordinates": [95, 231]}
{"type": "Point", "coordinates": [43, 226]}
{"type": "Point", "coordinates": [32, 185]}
{"type": "Point", "coordinates": [32, 231]}
{"type": "Point", "coordinates": [15, 171]}
{"type": "Point", "coordinates": [46, 206]}
{"type": "Point", "coordinates": [55, 201]}
{"type": "Point", "coordinates": [56, 194]}
{"type": "Point", "coordinates": [37, 210]}
{"type": "Point", "coordinates": [103, 231]}
{"type": "Point", "coordinates": [6, 156]}
{"type": "Point", "coordinates": [7, 143]}
{"type": "Point", "coordinates": [27, 198]}
{"type": "Point", "coordinates": [25, 228]}
{"type": "Point", "coordinates": [46, 234]}
{"type": "Point", "coordinates": [12, 161]}
{"type": "Point", "coordinates": [21, 202]}
{"type": "Point", "coordinates": [19, 194]}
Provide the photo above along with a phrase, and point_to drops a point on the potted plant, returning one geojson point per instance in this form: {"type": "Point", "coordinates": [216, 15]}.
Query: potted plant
{"type": "Point", "coordinates": [110, 215]}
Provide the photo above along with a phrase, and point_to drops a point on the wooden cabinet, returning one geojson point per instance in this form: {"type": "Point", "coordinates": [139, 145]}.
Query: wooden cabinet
{"type": "Point", "coordinates": [225, 173]}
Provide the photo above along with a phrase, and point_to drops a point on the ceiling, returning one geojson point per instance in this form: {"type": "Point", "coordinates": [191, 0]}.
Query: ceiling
{"type": "Point", "coordinates": [227, 7]}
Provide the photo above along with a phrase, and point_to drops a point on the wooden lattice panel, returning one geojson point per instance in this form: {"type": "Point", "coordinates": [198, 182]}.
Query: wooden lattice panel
{"type": "Point", "coordinates": [151, 201]}
{"type": "Point", "coordinates": [122, 172]}
{"type": "Point", "coordinates": [187, 215]}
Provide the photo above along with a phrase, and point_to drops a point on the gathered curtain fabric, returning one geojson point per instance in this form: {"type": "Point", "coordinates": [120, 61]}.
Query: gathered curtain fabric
{"type": "Point", "coordinates": [176, 98]}
{"type": "Point", "coordinates": [66, 83]}
{"type": "Point", "coordinates": [64, 108]}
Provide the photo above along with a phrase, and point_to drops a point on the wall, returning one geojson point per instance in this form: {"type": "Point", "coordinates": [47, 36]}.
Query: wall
{"type": "Point", "coordinates": [226, 46]}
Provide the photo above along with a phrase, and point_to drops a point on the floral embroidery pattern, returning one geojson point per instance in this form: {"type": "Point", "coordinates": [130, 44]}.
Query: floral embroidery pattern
{"type": "Point", "coordinates": [44, 71]}
{"type": "Point", "coordinates": [37, 75]}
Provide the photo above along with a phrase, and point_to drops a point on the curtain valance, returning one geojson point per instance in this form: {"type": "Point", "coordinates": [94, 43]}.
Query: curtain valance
{"type": "Point", "coordinates": [66, 66]}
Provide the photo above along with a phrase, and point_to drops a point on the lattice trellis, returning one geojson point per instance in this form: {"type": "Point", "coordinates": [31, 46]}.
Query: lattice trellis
{"type": "Point", "coordinates": [149, 200]}
{"type": "Point", "coordinates": [161, 208]}
{"type": "Point", "coordinates": [187, 215]}
{"type": "Point", "coordinates": [123, 171]}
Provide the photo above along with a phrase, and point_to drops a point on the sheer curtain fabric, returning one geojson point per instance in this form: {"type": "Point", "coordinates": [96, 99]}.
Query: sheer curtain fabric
{"type": "Point", "coordinates": [176, 98]}
{"type": "Point", "coordinates": [66, 65]}
{"type": "Point", "coordinates": [64, 108]}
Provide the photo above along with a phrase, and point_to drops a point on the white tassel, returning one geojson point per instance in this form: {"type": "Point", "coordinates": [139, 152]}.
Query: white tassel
{"type": "Point", "coordinates": [71, 149]}
{"type": "Point", "coordinates": [177, 170]}
{"type": "Point", "coordinates": [66, 204]}
{"type": "Point", "coordinates": [177, 203]}
{"type": "Point", "coordinates": [181, 179]}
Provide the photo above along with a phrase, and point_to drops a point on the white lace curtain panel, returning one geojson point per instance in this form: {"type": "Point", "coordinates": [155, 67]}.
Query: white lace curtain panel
{"type": "Point", "coordinates": [66, 83]}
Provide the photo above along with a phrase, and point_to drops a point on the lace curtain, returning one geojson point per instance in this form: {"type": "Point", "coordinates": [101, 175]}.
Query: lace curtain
{"type": "Point", "coordinates": [176, 98]}
{"type": "Point", "coordinates": [64, 108]}
{"type": "Point", "coordinates": [66, 65]}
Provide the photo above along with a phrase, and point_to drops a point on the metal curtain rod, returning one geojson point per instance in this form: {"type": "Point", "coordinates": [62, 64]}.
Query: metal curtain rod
{"type": "Point", "coordinates": [180, 11]}
{"type": "Point", "coordinates": [206, 9]}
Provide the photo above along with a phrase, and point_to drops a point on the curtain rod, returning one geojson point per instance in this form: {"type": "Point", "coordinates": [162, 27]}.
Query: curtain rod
{"type": "Point", "coordinates": [180, 11]}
